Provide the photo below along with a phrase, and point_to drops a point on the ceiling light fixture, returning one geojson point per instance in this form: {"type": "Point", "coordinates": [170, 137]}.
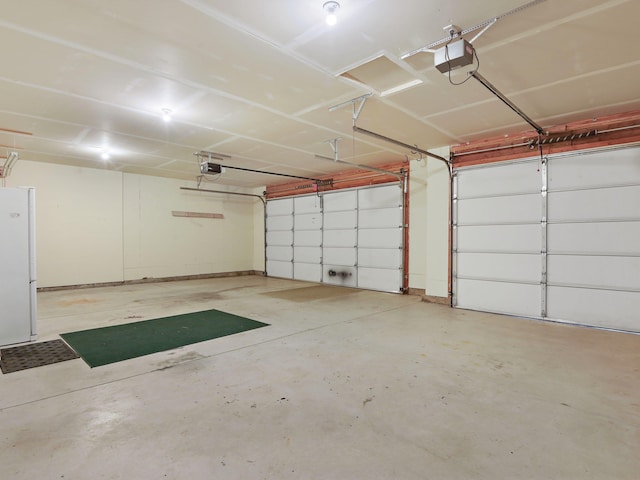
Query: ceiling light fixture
{"type": "Point", "coordinates": [331, 8]}
{"type": "Point", "coordinates": [166, 114]}
{"type": "Point", "coordinates": [105, 155]}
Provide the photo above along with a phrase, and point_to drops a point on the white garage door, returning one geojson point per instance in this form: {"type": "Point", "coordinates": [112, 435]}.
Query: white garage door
{"type": "Point", "coordinates": [555, 239]}
{"type": "Point", "coordinates": [307, 238]}
{"type": "Point", "coordinates": [499, 239]}
{"type": "Point", "coordinates": [380, 238]}
{"type": "Point", "coordinates": [340, 238]}
{"type": "Point", "coordinates": [594, 239]}
{"type": "Point", "coordinates": [351, 238]}
{"type": "Point", "coordinates": [279, 238]}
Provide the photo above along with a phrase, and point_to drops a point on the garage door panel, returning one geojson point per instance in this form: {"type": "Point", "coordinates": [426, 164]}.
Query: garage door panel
{"type": "Point", "coordinates": [380, 197]}
{"type": "Point", "coordinates": [604, 308]}
{"type": "Point", "coordinates": [345, 276]}
{"type": "Point", "coordinates": [307, 254]}
{"type": "Point", "coordinates": [279, 253]}
{"type": "Point", "coordinates": [595, 238]}
{"type": "Point", "coordinates": [598, 204]}
{"type": "Point", "coordinates": [520, 209]}
{"type": "Point", "coordinates": [380, 218]}
{"type": "Point", "coordinates": [510, 298]}
{"type": "Point", "coordinates": [380, 279]}
{"type": "Point", "coordinates": [599, 169]}
{"type": "Point", "coordinates": [307, 272]}
{"type": "Point", "coordinates": [340, 220]}
{"type": "Point", "coordinates": [381, 238]}
{"type": "Point", "coordinates": [340, 238]}
{"type": "Point", "coordinates": [601, 271]}
{"type": "Point", "coordinates": [501, 267]}
{"type": "Point", "coordinates": [379, 257]}
{"type": "Point", "coordinates": [280, 238]}
{"type": "Point", "coordinates": [279, 269]}
{"type": "Point", "coordinates": [306, 204]}
{"type": "Point", "coordinates": [500, 180]}
{"type": "Point", "coordinates": [280, 207]}
{"type": "Point", "coordinates": [307, 238]}
{"type": "Point", "coordinates": [320, 238]}
{"type": "Point", "coordinates": [500, 238]}
{"type": "Point", "coordinates": [588, 225]}
{"type": "Point", "coordinates": [308, 221]}
{"type": "Point", "coordinates": [340, 201]}
{"type": "Point", "coordinates": [340, 256]}
{"type": "Point", "coordinates": [280, 222]}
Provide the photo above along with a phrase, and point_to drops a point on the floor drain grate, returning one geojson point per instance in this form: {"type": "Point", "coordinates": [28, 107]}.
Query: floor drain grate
{"type": "Point", "coordinates": [35, 355]}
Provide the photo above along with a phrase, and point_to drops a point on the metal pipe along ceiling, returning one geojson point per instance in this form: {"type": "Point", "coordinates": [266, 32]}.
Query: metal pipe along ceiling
{"type": "Point", "coordinates": [487, 84]}
{"type": "Point", "coordinates": [412, 148]}
{"type": "Point", "coordinates": [222, 191]}
{"type": "Point", "coordinates": [399, 176]}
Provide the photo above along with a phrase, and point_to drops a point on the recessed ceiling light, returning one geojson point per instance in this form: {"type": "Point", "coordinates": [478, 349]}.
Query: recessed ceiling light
{"type": "Point", "coordinates": [331, 8]}
{"type": "Point", "coordinates": [105, 155]}
{"type": "Point", "coordinates": [166, 114]}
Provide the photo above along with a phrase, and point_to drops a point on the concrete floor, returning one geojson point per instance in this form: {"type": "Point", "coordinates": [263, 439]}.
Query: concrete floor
{"type": "Point", "coordinates": [344, 384]}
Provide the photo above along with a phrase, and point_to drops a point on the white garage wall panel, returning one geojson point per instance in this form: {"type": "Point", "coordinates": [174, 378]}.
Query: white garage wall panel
{"type": "Point", "coordinates": [557, 239]}
{"type": "Point", "coordinates": [350, 238]}
{"type": "Point", "coordinates": [497, 213]}
{"type": "Point", "coordinates": [279, 237]}
{"type": "Point", "coordinates": [307, 238]}
{"type": "Point", "coordinates": [594, 239]}
{"type": "Point", "coordinates": [340, 238]}
{"type": "Point", "coordinates": [380, 239]}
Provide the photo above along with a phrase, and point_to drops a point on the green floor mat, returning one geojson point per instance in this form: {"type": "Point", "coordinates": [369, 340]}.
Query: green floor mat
{"type": "Point", "coordinates": [101, 346]}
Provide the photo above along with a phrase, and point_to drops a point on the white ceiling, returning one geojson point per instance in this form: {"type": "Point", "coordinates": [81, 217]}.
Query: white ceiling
{"type": "Point", "coordinates": [255, 79]}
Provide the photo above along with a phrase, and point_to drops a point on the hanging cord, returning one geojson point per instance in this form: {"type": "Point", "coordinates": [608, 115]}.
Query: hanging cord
{"type": "Point", "coordinates": [540, 149]}
{"type": "Point", "coordinates": [469, 74]}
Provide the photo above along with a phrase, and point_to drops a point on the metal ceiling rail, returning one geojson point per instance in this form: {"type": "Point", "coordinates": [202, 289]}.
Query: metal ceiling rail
{"type": "Point", "coordinates": [272, 173]}
{"type": "Point", "coordinates": [412, 148]}
{"type": "Point", "coordinates": [483, 25]}
{"type": "Point", "coordinates": [506, 101]}
{"type": "Point", "coordinates": [222, 191]}
{"type": "Point", "coordinates": [205, 154]}
{"type": "Point", "coordinates": [357, 109]}
{"type": "Point", "coordinates": [399, 176]}
{"type": "Point", "coordinates": [334, 146]}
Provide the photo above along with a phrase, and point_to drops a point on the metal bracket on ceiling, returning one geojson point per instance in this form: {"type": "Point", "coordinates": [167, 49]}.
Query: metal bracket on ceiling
{"type": "Point", "coordinates": [483, 27]}
{"type": "Point", "coordinates": [357, 108]}
{"type": "Point", "coordinates": [10, 161]}
{"type": "Point", "coordinates": [333, 143]}
{"type": "Point", "coordinates": [206, 155]}
{"type": "Point", "coordinates": [487, 27]}
{"type": "Point", "coordinates": [356, 113]}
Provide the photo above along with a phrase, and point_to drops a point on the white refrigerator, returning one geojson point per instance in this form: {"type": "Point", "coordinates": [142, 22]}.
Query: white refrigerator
{"type": "Point", "coordinates": [18, 304]}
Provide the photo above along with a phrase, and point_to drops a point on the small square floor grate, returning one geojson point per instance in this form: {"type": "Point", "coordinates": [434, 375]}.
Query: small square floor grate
{"type": "Point", "coordinates": [35, 355]}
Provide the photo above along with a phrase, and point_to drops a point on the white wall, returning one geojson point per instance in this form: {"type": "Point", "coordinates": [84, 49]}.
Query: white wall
{"type": "Point", "coordinates": [157, 244]}
{"type": "Point", "coordinates": [78, 222]}
{"type": "Point", "coordinates": [429, 225]}
{"type": "Point", "coordinates": [95, 226]}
